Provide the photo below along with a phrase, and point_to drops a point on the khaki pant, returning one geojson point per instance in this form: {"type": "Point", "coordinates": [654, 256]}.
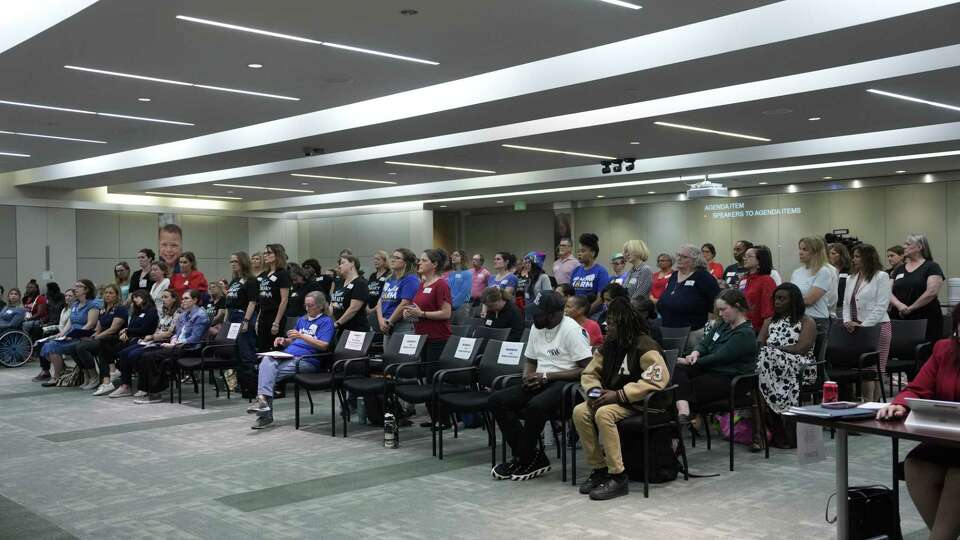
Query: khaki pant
{"type": "Point", "coordinates": [600, 428]}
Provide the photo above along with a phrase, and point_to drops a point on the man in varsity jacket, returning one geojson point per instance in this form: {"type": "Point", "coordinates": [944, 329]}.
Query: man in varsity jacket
{"type": "Point", "coordinates": [628, 366]}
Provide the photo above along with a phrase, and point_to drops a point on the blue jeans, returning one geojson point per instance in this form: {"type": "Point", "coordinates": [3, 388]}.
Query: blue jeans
{"type": "Point", "coordinates": [273, 370]}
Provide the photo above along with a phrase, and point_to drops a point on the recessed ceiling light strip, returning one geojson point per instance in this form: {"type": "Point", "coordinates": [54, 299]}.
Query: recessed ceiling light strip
{"type": "Point", "coordinates": [439, 167]}
{"type": "Point", "coordinates": [304, 40]}
{"type": "Point", "coordinates": [301, 175]}
{"type": "Point", "coordinates": [916, 100]}
{"type": "Point", "coordinates": [165, 194]}
{"type": "Point", "coordinates": [265, 188]}
{"type": "Point", "coordinates": [714, 131]}
{"type": "Point", "coordinates": [179, 83]}
{"type": "Point", "coordinates": [39, 136]}
{"type": "Point", "coordinates": [81, 111]}
{"type": "Point", "coordinates": [13, 154]}
{"type": "Point", "coordinates": [621, 3]}
{"type": "Point", "coordinates": [550, 151]}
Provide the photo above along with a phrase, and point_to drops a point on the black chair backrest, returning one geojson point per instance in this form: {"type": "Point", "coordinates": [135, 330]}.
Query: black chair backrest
{"type": "Point", "coordinates": [500, 358]}
{"type": "Point", "coordinates": [475, 321]}
{"type": "Point", "coordinates": [475, 310]}
{"type": "Point", "coordinates": [223, 336]}
{"type": "Point", "coordinates": [353, 344]}
{"type": "Point", "coordinates": [674, 332]}
{"type": "Point", "coordinates": [670, 357]}
{"type": "Point", "coordinates": [403, 348]}
{"type": "Point", "coordinates": [845, 347]}
{"type": "Point", "coordinates": [459, 352]}
{"type": "Point", "coordinates": [679, 343]}
{"type": "Point", "coordinates": [486, 332]}
{"type": "Point", "coordinates": [292, 322]}
{"type": "Point", "coordinates": [526, 335]}
{"type": "Point", "coordinates": [461, 330]}
{"type": "Point", "coordinates": [907, 334]}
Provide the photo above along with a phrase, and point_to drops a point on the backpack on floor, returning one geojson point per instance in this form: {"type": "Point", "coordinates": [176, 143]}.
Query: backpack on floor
{"type": "Point", "coordinates": [73, 377]}
{"type": "Point", "coordinates": [664, 465]}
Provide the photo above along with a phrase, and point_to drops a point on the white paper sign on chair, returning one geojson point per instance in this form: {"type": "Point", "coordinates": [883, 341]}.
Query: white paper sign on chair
{"type": "Point", "coordinates": [233, 331]}
{"type": "Point", "coordinates": [510, 353]}
{"type": "Point", "coordinates": [355, 341]}
{"type": "Point", "coordinates": [409, 344]}
{"type": "Point", "coordinates": [465, 348]}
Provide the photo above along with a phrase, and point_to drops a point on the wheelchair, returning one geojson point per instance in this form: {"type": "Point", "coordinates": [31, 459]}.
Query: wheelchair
{"type": "Point", "coordinates": [16, 348]}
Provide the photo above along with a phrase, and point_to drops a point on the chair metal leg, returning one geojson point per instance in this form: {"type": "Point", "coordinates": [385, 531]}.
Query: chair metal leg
{"type": "Point", "coordinates": [706, 429]}
{"type": "Point", "coordinates": [646, 462]}
{"type": "Point", "coordinates": [883, 394]}
{"type": "Point", "coordinates": [439, 428]}
{"type": "Point", "coordinates": [433, 428]}
{"type": "Point", "coordinates": [225, 385]}
{"type": "Point", "coordinates": [344, 409]}
{"type": "Point", "coordinates": [296, 405]}
{"type": "Point", "coordinates": [333, 414]}
{"type": "Point", "coordinates": [179, 390]}
{"type": "Point", "coordinates": [310, 399]}
{"type": "Point", "coordinates": [732, 411]}
{"type": "Point", "coordinates": [492, 433]}
{"type": "Point", "coordinates": [203, 393]}
{"type": "Point", "coordinates": [683, 453]}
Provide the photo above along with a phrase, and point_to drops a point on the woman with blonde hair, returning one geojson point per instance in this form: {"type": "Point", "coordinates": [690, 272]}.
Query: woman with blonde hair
{"type": "Point", "coordinates": [816, 280]}
{"type": "Point", "coordinates": [639, 278]}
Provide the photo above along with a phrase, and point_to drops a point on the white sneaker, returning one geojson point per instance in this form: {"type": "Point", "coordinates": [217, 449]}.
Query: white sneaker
{"type": "Point", "coordinates": [93, 383]}
{"type": "Point", "coordinates": [119, 393]}
{"type": "Point", "coordinates": [104, 389]}
{"type": "Point", "coordinates": [149, 399]}
{"type": "Point", "coordinates": [140, 394]}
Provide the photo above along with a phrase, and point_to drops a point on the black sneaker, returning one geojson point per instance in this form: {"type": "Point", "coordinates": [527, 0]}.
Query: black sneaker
{"type": "Point", "coordinates": [262, 422]}
{"type": "Point", "coordinates": [505, 470]}
{"type": "Point", "coordinates": [597, 477]}
{"type": "Point", "coordinates": [615, 485]}
{"type": "Point", "coordinates": [539, 466]}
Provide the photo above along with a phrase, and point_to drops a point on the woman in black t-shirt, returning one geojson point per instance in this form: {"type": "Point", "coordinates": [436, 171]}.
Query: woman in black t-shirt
{"type": "Point", "coordinates": [274, 296]}
{"type": "Point", "coordinates": [916, 284]}
{"type": "Point", "coordinates": [298, 290]}
{"type": "Point", "coordinates": [141, 278]}
{"type": "Point", "coordinates": [380, 275]}
{"type": "Point", "coordinates": [241, 303]}
{"type": "Point", "coordinates": [350, 297]}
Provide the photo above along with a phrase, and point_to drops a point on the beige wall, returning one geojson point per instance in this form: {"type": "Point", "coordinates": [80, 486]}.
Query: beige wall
{"type": "Point", "coordinates": [514, 232]}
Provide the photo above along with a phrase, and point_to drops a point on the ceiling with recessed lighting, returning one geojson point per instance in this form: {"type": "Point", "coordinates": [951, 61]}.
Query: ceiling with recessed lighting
{"type": "Point", "coordinates": [465, 105]}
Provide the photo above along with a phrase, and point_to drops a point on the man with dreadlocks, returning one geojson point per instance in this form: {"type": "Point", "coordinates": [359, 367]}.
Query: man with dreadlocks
{"type": "Point", "coordinates": [627, 367]}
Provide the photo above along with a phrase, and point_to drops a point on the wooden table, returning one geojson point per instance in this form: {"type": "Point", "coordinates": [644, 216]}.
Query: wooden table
{"type": "Point", "coordinates": [896, 430]}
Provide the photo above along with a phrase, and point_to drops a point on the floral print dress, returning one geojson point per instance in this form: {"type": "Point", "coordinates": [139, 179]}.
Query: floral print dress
{"type": "Point", "coordinates": [779, 371]}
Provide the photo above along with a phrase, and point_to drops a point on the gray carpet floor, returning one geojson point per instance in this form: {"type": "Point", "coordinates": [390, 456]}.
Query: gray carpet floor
{"type": "Point", "coordinates": [75, 466]}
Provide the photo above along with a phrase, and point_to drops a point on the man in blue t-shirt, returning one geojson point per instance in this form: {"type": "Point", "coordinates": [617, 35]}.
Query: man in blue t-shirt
{"type": "Point", "coordinates": [312, 335]}
{"type": "Point", "coordinates": [589, 279]}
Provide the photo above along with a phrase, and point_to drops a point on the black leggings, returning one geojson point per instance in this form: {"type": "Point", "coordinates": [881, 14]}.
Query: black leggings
{"type": "Point", "coordinates": [696, 385]}
{"type": "Point", "coordinates": [264, 327]}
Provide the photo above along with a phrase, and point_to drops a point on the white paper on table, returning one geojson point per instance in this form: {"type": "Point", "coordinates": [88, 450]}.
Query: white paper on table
{"type": "Point", "coordinates": [872, 405]}
{"type": "Point", "coordinates": [233, 331]}
{"type": "Point", "coordinates": [354, 341]}
{"type": "Point", "coordinates": [275, 354]}
{"type": "Point", "coordinates": [810, 447]}
{"type": "Point", "coordinates": [465, 348]}
{"type": "Point", "coordinates": [409, 344]}
{"type": "Point", "coordinates": [510, 353]}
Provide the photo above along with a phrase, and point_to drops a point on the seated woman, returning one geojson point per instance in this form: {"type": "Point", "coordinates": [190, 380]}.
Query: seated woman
{"type": "Point", "coordinates": [216, 308]}
{"type": "Point", "coordinates": [35, 304]}
{"type": "Point", "coordinates": [142, 322]}
{"type": "Point", "coordinates": [726, 350]}
{"type": "Point", "coordinates": [786, 349]}
{"type": "Point", "coordinates": [84, 313]}
{"type": "Point", "coordinates": [502, 312]}
{"type": "Point", "coordinates": [13, 315]}
{"type": "Point", "coordinates": [164, 328]}
{"type": "Point", "coordinates": [576, 308]}
{"type": "Point", "coordinates": [103, 342]}
{"type": "Point", "coordinates": [626, 368]}
{"type": "Point", "coordinates": [189, 276]}
{"type": "Point", "coordinates": [565, 290]}
{"type": "Point", "coordinates": [312, 335]}
{"type": "Point", "coordinates": [152, 367]}
{"type": "Point", "coordinates": [933, 472]}
{"type": "Point", "coordinates": [63, 319]}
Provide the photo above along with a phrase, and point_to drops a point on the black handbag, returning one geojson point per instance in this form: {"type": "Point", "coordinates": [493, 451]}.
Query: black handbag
{"type": "Point", "coordinates": [872, 513]}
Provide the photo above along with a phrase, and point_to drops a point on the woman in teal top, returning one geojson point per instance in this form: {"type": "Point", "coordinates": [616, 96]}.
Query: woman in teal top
{"type": "Point", "coordinates": [727, 350]}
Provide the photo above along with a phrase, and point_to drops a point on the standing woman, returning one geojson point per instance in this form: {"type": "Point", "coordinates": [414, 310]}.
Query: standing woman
{"type": "Point", "coordinates": [121, 277]}
{"type": "Point", "coordinates": [639, 277]}
{"type": "Point", "coordinates": [664, 271]}
{"type": "Point", "coordinates": [299, 287]}
{"type": "Point", "coordinates": [160, 274]}
{"type": "Point", "coordinates": [916, 284]}
{"type": "Point", "coordinates": [381, 272]}
{"type": "Point", "coordinates": [502, 276]}
{"type": "Point", "coordinates": [274, 295]}
{"type": "Point", "coordinates": [189, 276]}
{"type": "Point", "coordinates": [894, 258]}
{"type": "Point", "coordinates": [140, 280]}
{"type": "Point", "coordinates": [815, 280]}
{"type": "Point", "coordinates": [350, 297]}
{"type": "Point", "coordinates": [689, 297]}
{"type": "Point", "coordinates": [539, 283]}
{"type": "Point", "coordinates": [757, 285]}
{"type": "Point", "coordinates": [83, 320]}
{"type": "Point", "coordinates": [431, 307]}
{"type": "Point", "coordinates": [589, 279]}
{"type": "Point", "coordinates": [256, 264]}
{"type": "Point", "coordinates": [839, 257]}
{"type": "Point", "coordinates": [398, 292]}
{"type": "Point", "coordinates": [709, 252]}
{"type": "Point", "coordinates": [241, 303]}
{"type": "Point", "coordinates": [867, 297]}
{"type": "Point", "coordinates": [459, 279]}
{"type": "Point", "coordinates": [113, 317]}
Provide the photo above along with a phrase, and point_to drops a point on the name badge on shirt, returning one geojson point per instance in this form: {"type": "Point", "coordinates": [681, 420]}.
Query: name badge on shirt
{"type": "Point", "coordinates": [142, 315]}
{"type": "Point", "coordinates": [426, 290]}
{"type": "Point", "coordinates": [716, 336]}
{"type": "Point", "coordinates": [689, 283]}
{"type": "Point", "coordinates": [633, 281]}
{"type": "Point", "coordinates": [273, 278]}
{"type": "Point", "coordinates": [350, 286]}
{"type": "Point", "coordinates": [898, 277]}
{"type": "Point", "coordinates": [731, 274]}
{"type": "Point", "coordinates": [844, 276]}
{"type": "Point", "coordinates": [186, 283]}
{"type": "Point", "coordinates": [143, 284]}
{"type": "Point", "coordinates": [489, 322]}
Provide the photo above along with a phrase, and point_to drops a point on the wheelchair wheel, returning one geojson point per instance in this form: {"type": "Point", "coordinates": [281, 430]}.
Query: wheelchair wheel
{"type": "Point", "coordinates": [15, 348]}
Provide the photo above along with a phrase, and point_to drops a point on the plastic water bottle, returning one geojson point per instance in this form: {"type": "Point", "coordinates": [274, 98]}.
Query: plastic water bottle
{"type": "Point", "coordinates": [361, 411]}
{"type": "Point", "coordinates": [391, 436]}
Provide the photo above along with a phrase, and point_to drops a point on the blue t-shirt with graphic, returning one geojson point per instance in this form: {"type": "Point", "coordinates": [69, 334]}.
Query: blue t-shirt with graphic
{"type": "Point", "coordinates": [397, 290]}
{"type": "Point", "coordinates": [509, 280]}
{"type": "Point", "coordinates": [589, 281]}
{"type": "Point", "coordinates": [320, 328]}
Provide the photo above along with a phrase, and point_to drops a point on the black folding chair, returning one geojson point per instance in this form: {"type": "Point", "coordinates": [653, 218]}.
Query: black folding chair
{"type": "Point", "coordinates": [909, 338]}
{"type": "Point", "coordinates": [462, 330]}
{"type": "Point", "coordinates": [677, 343]}
{"type": "Point", "coordinates": [744, 390]}
{"type": "Point", "coordinates": [484, 378]}
{"type": "Point", "coordinates": [459, 352]}
{"type": "Point", "coordinates": [220, 355]}
{"type": "Point", "coordinates": [851, 355]}
{"type": "Point", "coordinates": [400, 348]}
{"type": "Point", "coordinates": [351, 345]}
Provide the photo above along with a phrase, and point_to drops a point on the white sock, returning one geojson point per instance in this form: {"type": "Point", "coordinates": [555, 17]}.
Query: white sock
{"type": "Point", "coordinates": [683, 407]}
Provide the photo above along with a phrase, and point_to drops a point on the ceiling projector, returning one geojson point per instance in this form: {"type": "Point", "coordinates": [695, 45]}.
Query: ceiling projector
{"type": "Point", "coordinates": [704, 189]}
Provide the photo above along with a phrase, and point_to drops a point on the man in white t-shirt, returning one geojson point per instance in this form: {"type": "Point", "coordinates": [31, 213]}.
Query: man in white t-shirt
{"type": "Point", "coordinates": [556, 353]}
